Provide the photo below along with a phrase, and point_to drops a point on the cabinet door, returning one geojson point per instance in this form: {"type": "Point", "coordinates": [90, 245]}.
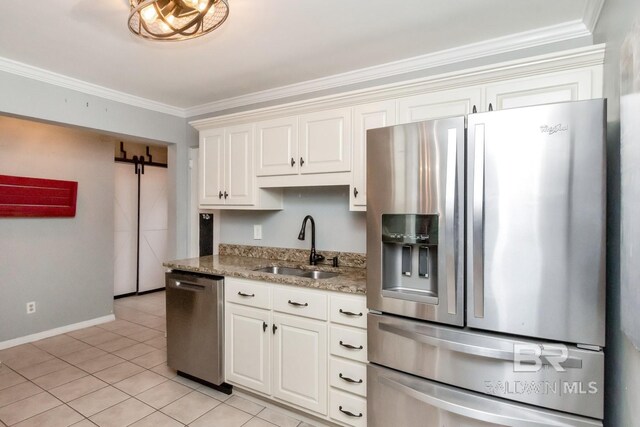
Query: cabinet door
{"type": "Point", "coordinates": [368, 116]}
{"type": "Point", "coordinates": [325, 141]}
{"type": "Point", "coordinates": [211, 167]}
{"type": "Point", "coordinates": [563, 87]}
{"type": "Point", "coordinates": [437, 105]}
{"type": "Point", "coordinates": [247, 347]}
{"type": "Point", "coordinates": [239, 170]}
{"type": "Point", "coordinates": [300, 362]}
{"type": "Point", "coordinates": [277, 147]}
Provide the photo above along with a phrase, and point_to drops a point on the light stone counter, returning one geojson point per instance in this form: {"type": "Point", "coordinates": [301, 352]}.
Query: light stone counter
{"type": "Point", "coordinates": [349, 280]}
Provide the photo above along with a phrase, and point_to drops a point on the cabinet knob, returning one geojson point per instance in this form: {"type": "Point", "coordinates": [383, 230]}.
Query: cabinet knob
{"type": "Point", "coordinates": [220, 195]}
{"type": "Point", "coordinates": [349, 380]}
{"type": "Point", "coordinates": [301, 161]}
{"type": "Point", "coordinates": [351, 347]}
{"type": "Point", "coordinates": [490, 107]}
{"type": "Point", "coordinates": [274, 328]}
{"type": "Point", "coordinates": [475, 110]}
{"type": "Point", "coordinates": [349, 313]}
{"type": "Point", "coordinates": [355, 192]}
{"type": "Point", "coordinates": [264, 326]}
{"type": "Point", "coordinates": [226, 195]}
{"type": "Point", "coordinates": [351, 414]}
{"type": "Point", "coordinates": [298, 304]}
{"type": "Point", "coordinates": [293, 162]}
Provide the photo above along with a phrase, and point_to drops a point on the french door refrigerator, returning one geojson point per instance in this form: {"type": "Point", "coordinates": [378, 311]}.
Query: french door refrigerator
{"type": "Point", "coordinates": [485, 278]}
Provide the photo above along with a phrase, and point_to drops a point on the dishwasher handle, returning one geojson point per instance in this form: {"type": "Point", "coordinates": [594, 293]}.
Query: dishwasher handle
{"type": "Point", "coordinates": [186, 286]}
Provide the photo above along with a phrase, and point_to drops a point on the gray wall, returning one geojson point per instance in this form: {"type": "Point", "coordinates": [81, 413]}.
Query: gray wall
{"type": "Point", "coordinates": [33, 99]}
{"type": "Point", "coordinates": [39, 102]}
{"type": "Point", "coordinates": [65, 265]}
{"type": "Point", "coordinates": [337, 229]}
{"type": "Point", "coordinates": [623, 360]}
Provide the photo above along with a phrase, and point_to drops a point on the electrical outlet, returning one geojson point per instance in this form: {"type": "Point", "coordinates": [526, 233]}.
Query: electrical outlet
{"type": "Point", "coordinates": [31, 307]}
{"type": "Point", "coordinates": [257, 232]}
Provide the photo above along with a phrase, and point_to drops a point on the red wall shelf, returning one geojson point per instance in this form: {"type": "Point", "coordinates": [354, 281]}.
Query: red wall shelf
{"type": "Point", "coordinates": [36, 197]}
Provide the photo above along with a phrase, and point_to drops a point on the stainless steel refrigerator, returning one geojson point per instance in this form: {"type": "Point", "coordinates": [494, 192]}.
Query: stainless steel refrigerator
{"type": "Point", "coordinates": [486, 261]}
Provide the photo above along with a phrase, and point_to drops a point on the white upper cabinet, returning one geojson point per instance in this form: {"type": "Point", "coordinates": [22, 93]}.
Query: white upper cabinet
{"type": "Point", "coordinates": [436, 105]}
{"type": "Point", "coordinates": [239, 172]}
{"type": "Point", "coordinates": [559, 87]}
{"type": "Point", "coordinates": [325, 141]}
{"type": "Point", "coordinates": [365, 117]}
{"type": "Point", "coordinates": [248, 157]}
{"type": "Point", "coordinates": [211, 167]}
{"type": "Point", "coordinates": [277, 147]}
{"type": "Point", "coordinates": [227, 178]}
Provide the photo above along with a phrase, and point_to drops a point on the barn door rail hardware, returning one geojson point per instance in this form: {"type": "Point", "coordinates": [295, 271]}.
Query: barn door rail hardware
{"type": "Point", "coordinates": [138, 160]}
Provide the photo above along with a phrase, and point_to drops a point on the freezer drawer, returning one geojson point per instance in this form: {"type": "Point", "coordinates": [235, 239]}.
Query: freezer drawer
{"type": "Point", "coordinates": [398, 399]}
{"type": "Point", "coordinates": [485, 363]}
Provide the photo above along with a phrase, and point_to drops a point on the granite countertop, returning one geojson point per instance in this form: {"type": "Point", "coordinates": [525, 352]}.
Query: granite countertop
{"type": "Point", "coordinates": [349, 280]}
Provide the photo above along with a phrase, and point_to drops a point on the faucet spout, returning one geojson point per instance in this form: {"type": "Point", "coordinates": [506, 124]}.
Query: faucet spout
{"type": "Point", "coordinates": [313, 256]}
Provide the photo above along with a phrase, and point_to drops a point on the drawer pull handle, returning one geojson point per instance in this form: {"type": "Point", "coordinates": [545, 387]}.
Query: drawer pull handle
{"type": "Point", "coordinates": [350, 313]}
{"type": "Point", "coordinates": [351, 414]}
{"type": "Point", "coordinates": [298, 304]}
{"type": "Point", "coordinates": [242, 294]}
{"type": "Point", "coordinates": [349, 380]}
{"type": "Point", "coordinates": [351, 347]}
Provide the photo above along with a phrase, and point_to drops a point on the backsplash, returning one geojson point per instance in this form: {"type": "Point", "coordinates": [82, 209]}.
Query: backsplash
{"type": "Point", "coordinates": [345, 259]}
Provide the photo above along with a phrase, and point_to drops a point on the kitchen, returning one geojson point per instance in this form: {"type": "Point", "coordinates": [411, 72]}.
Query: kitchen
{"type": "Point", "coordinates": [338, 227]}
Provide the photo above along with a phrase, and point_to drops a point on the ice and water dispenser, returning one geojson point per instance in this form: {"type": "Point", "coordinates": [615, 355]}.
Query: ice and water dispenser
{"type": "Point", "coordinates": [410, 257]}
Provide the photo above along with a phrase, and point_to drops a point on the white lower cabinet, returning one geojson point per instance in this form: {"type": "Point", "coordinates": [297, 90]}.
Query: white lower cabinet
{"type": "Point", "coordinates": [300, 362]}
{"type": "Point", "coordinates": [348, 409]}
{"type": "Point", "coordinates": [278, 344]}
{"type": "Point", "coordinates": [248, 347]}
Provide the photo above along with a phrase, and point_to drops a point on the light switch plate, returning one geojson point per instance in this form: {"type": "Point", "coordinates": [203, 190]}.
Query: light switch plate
{"type": "Point", "coordinates": [257, 232]}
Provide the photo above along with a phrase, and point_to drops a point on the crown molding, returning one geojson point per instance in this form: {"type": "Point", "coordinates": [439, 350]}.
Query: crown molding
{"type": "Point", "coordinates": [505, 44]}
{"type": "Point", "coordinates": [35, 73]}
{"type": "Point", "coordinates": [555, 62]}
{"type": "Point", "coordinates": [592, 10]}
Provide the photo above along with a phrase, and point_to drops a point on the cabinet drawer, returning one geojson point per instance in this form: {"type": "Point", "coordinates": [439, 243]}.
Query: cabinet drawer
{"type": "Point", "coordinates": [347, 408]}
{"type": "Point", "coordinates": [247, 292]}
{"type": "Point", "coordinates": [300, 303]}
{"type": "Point", "coordinates": [348, 376]}
{"type": "Point", "coordinates": [350, 311]}
{"type": "Point", "coordinates": [348, 342]}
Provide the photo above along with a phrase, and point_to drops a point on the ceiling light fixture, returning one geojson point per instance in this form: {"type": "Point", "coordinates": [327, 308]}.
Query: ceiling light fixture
{"type": "Point", "coordinates": [174, 20]}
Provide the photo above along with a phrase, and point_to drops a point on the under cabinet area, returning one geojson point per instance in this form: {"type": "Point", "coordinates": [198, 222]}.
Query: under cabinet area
{"type": "Point", "coordinates": [279, 344]}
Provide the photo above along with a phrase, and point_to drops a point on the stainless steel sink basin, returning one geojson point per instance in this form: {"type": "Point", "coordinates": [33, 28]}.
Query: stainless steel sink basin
{"type": "Point", "coordinates": [282, 270]}
{"type": "Point", "coordinates": [319, 274]}
{"type": "Point", "coordinates": [312, 274]}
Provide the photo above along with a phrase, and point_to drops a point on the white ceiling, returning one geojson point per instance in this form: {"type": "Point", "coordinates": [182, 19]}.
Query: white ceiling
{"type": "Point", "coordinates": [265, 44]}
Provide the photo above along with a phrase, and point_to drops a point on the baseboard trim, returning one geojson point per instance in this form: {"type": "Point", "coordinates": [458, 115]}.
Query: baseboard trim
{"type": "Point", "coordinates": [56, 331]}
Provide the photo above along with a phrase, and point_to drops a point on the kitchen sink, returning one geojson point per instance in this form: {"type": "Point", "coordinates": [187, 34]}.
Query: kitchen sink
{"type": "Point", "coordinates": [315, 274]}
{"type": "Point", "coordinates": [289, 271]}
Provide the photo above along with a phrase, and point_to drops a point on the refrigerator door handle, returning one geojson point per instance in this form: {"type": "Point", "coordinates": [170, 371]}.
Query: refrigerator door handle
{"type": "Point", "coordinates": [475, 407]}
{"type": "Point", "coordinates": [477, 258]}
{"type": "Point", "coordinates": [546, 358]}
{"type": "Point", "coordinates": [449, 219]}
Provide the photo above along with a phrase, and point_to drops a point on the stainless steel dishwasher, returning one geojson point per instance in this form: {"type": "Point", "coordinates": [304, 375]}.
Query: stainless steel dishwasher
{"type": "Point", "coordinates": [195, 326]}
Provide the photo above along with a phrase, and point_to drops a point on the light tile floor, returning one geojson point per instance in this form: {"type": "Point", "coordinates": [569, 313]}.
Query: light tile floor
{"type": "Point", "coordinates": [115, 374]}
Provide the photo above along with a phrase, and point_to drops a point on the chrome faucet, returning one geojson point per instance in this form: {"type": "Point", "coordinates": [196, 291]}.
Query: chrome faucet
{"type": "Point", "coordinates": [313, 257]}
